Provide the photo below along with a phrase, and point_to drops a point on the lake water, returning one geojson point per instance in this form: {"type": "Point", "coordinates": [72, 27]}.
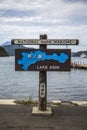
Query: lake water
{"type": "Point", "coordinates": [60, 85]}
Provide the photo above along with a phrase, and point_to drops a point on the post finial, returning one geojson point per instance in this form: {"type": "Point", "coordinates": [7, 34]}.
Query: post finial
{"type": "Point", "coordinates": [43, 36]}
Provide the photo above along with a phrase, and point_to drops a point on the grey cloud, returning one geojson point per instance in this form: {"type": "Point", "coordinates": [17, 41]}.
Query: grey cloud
{"type": "Point", "coordinates": [83, 1]}
{"type": "Point", "coordinates": [17, 13]}
{"type": "Point", "coordinates": [61, 18]}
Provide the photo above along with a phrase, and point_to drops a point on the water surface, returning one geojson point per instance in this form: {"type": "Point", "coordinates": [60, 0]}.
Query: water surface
{"type": "Point", "coordinates": [61, 85]}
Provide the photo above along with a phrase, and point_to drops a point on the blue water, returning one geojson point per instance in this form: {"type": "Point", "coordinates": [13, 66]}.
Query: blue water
{"type": "Point", "coordinates": [60, 85]}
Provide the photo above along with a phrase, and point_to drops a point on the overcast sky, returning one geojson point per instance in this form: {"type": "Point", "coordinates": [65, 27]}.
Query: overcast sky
{"type": "Point", "coordinates": [59, 19]}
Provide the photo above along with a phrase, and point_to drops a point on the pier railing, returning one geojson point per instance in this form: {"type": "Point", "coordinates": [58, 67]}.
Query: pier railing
{"type": "Point", "coordinates": [78, 65]}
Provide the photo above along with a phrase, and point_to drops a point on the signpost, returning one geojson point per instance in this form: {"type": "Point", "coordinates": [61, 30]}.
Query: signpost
{"type": "Point", "coordinates": [45, 41]}
{"type": "Point", "coordinates": [43, 60]}
{"type": "Point", "coordinates": [43, 82]}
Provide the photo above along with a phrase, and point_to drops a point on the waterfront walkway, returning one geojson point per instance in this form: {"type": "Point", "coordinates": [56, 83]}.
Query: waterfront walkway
{"type": "Point", "coordinates": [65, 117]}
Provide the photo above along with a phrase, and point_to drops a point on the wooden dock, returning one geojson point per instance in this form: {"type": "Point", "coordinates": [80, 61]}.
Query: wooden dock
{"type": "Point", "coordinates": [78, 66]}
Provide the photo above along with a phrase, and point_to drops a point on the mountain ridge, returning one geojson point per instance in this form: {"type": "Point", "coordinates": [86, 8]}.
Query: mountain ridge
{"type": "Point", "coordinates": [3, 53]}
{"type": "Point", "coordinates": [10, 49]}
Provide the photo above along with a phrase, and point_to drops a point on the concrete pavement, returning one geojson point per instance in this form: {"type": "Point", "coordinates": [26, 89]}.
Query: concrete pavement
{"type": "Point", "coordinates": [64, 117]}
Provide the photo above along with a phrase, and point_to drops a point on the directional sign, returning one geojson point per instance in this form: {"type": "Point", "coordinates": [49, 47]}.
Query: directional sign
{"type": "Point", "coordinates": [42, 60]}
{"type": "Point", "coordinates": [45, 41]}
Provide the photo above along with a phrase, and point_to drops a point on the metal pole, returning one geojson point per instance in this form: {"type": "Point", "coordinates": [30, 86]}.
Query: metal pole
{"type": "Point", "coordinates": [43, 83]}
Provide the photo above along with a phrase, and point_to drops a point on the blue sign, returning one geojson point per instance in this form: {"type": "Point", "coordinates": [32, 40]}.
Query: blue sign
{"type": "Point", "coordinates": [42, 60]}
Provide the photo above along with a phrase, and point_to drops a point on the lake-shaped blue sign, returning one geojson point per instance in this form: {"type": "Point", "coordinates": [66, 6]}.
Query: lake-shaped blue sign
{"type": "Point", "coordinates": [42, 59]}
